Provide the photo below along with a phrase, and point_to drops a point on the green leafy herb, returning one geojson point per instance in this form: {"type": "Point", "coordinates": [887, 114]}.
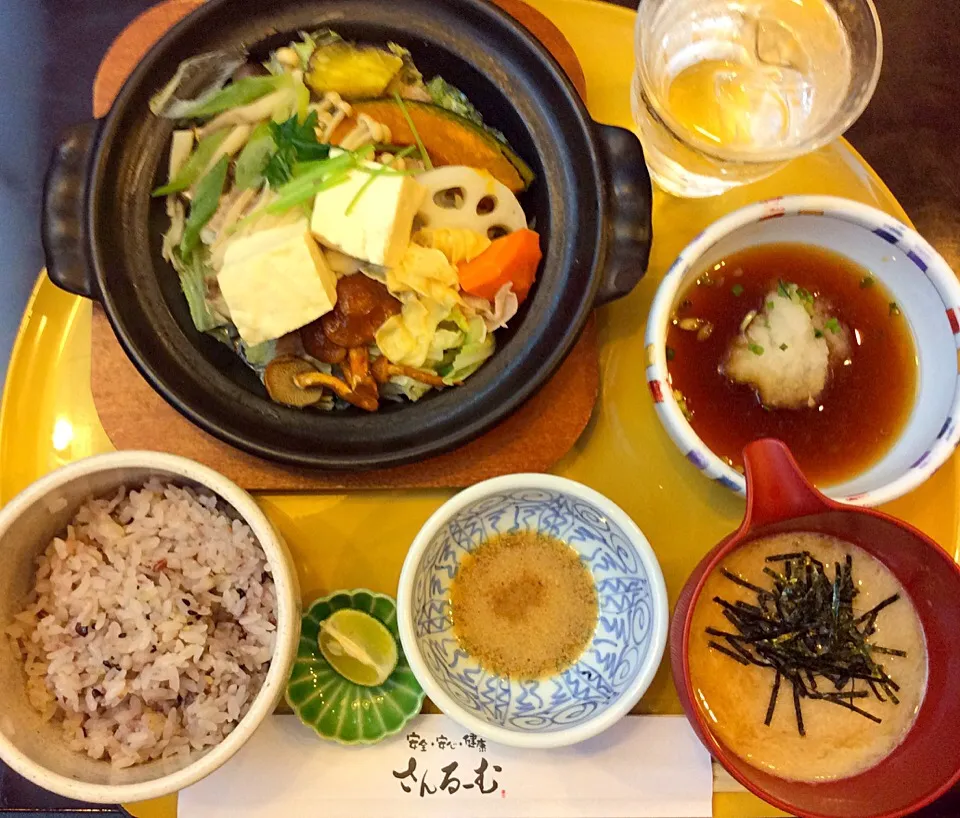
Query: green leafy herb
{"type": "Point", "coordinates": [737, 290]}
{"type": "Point", "coordinates": [424, 156]}
{"type": "Point", "coordinates": [253, 159]}
{"type": "Point", "coordinates": [805, 631]}
{"type": "Point", "coordinates": [833, 325]}
{"type": "Point", "coordinates": [770, 305]}
{"type": "Point", "coordinates": [671, 353]}
{"type": "Point", "coordinates": [894, 309]}
{"type": "Point", "coordinates": [374, 175]}
{"type": "Point", "coordinates": [817, 333]}
{"type": "Point", "coordinates": [295, 142]}
{"type": "Point", "coordinates": [206, 199]}
{"type": "Point", "coordinates": [756, 349]}
{"type": "Point", "coordinates": [783, 347]}
{"type": "Point", "coordinates": [195, 165]}
{"type": "Point", "coordinates": [866, 281]}
{"type": "Point", "coordinates": [805, 296]}
{"type": "Point", "coordinates": [783, 289]}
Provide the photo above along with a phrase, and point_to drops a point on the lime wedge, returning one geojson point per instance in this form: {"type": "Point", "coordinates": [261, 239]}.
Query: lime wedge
{"type": "Point", "coordinates": [358, 647]}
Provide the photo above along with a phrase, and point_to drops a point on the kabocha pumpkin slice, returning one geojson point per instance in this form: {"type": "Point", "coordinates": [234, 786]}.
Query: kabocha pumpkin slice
{"type": "Point", "coordinates": [448, 138]}
{"type": "Point", "coordinates": [280, 378]}
{"type": "Point", "coordinates": [351, 70]}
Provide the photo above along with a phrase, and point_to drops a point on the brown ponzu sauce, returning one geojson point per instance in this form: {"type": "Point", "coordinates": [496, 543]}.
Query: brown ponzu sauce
{"type": "Point", "coordinates": [868, 396]}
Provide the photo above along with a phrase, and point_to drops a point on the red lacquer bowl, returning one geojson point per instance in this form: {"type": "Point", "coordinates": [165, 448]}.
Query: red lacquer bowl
{"type": "Point", "coordinates": [927, 763]}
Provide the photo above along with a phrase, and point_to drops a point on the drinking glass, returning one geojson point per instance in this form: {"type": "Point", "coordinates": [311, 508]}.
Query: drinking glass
{"type": "Point", "coordinates": [727, 91]}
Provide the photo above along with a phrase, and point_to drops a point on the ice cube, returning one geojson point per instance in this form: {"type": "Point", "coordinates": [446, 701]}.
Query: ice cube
{"type": "Point", "coordinates": [777, 45]}
{"type": "Point", "coordinates": [751, 109]}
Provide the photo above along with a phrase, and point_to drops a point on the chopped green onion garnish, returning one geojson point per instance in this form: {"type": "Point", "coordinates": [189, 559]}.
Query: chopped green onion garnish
{"type": "Point", "coordinates": [782, 288]}
{"type": "Point", "coordinates": [670, 353]}
{"type": "Point", "coordinates": [310, 179]}
{"type": "Point", "coordinates": [817, 334]}
{"type": "Point", "coordinates": [783, 347]}
{"type": "Point", "coordinates": [196, 164]}
{"type": "Point", "coordinates": [374, 174]}
{"type": "Point", "coordinates": [770, 305]}
{"type": "Point", "coordinates": [406, 115]}
{"type": "Point", "coordinates": [756, 349]}
{"type": "Point", "coordinates": [388, 172]}
{"type": "Point", "coordinates": [894, 309]}
{"type": "Point", "coordinates": [206, 199]}
{"type": "Point", "coordinates": [866, 281]}
{"type": "Point", "coordinates": [833, 325]}
{"type": "Point", "coordinates": [737, 290]}
{"type": "Point", "coordinates": [302, 195]}
{"type": "Point", "coordinates": [308, 173]}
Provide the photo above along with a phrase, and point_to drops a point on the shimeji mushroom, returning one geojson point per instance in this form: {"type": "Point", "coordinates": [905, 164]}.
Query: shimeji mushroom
{"type": "Point", "coordinates": [363, 398]}
{"type": "Point", "coordinates": [384, 370]}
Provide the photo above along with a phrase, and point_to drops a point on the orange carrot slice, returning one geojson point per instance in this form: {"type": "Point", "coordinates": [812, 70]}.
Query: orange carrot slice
{"type": "Point", "coordinates": [512, 259]}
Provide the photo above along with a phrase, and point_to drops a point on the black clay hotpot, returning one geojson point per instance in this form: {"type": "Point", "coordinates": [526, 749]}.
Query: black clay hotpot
{"type": "Point", "coordinates": [590, 202]}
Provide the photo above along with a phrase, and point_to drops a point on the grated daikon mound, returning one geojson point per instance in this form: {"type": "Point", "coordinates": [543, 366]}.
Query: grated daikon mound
{"type": "Point", "coordinates": [787, 350]}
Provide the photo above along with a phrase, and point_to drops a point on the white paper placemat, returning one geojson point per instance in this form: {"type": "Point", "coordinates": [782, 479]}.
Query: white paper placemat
{"type": "Point", "coordinates": [644, 766]}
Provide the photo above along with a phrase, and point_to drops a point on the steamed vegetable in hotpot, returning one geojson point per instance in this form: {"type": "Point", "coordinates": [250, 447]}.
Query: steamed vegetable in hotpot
{"type": "Point", "coordinates": [350, 230]}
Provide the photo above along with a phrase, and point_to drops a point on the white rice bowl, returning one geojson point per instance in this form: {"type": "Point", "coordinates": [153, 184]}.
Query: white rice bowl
{"type": "Point", "coordinates": [151, 625]}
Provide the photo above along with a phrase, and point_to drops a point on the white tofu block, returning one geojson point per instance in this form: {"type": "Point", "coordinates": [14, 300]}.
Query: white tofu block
{"type": "Point", "coordinates": [275, 281]}
{"type": "Point", "coordinates": [378, 227]}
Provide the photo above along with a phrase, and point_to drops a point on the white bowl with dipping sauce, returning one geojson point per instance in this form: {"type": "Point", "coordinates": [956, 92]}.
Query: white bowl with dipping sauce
{"type": "Point", "coordinates": [923, 286]}
{"type": "Point", "coordinates": [618, 663]}
{"type": "Point", "coordinates": [38, 750]}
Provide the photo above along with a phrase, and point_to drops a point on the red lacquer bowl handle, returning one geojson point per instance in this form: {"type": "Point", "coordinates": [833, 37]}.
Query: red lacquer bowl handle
{"type": "Point", "coordinates": [776, 488]}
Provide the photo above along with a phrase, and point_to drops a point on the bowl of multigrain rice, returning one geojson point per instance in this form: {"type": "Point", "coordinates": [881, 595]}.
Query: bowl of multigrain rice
{"type": "Point", "coordinates": [149, 617]}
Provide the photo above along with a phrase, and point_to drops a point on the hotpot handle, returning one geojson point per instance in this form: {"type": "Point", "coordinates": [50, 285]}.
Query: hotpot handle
{"type": "Point", "coordinates": [62, 227]}
{"type": "Point", "coordinates": [776, 488]}
{"type": "Point", "coordinates": [629, 205]}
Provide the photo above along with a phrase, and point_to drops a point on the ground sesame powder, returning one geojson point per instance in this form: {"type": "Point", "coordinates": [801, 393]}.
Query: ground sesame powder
{"type": "Point", "coordinates": [524, 604]}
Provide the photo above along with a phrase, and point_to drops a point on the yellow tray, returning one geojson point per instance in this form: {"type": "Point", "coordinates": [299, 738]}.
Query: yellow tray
{"type": "Point", "coordinates": [48, 418]}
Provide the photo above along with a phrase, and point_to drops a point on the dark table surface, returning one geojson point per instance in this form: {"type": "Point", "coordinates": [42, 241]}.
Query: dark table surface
{"type": "Point", "coordinates": [50, 49]}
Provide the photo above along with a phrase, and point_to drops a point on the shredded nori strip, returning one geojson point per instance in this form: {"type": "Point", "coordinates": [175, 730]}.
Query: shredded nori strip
{"type": "Point", "coordinates": [760, 592]}
{"type": "Point", "coordinates": [888, 651]}
{"type": "Point", "coordinates": [773, 699]}
{"type": "Point", "coordinates": [799, 712]}
{"type": "Point", "coordinates": [730, 653]}
{"type": "Point", "coordinates": [804, 628]}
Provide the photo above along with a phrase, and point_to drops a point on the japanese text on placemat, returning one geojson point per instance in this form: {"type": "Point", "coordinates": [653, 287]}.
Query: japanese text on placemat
{"type": "Point", "coordinates": [423, 780]}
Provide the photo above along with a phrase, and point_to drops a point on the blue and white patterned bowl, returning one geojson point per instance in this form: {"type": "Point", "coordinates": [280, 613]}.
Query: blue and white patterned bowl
{"type": "Point", "coordinates": [923, 286]}
{"type": "Point", "coordinates": [617, 666]}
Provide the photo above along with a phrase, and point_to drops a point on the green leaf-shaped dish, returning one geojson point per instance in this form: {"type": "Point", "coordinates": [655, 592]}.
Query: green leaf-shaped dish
{"type": "Point", "coordinates": [338, 709]}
